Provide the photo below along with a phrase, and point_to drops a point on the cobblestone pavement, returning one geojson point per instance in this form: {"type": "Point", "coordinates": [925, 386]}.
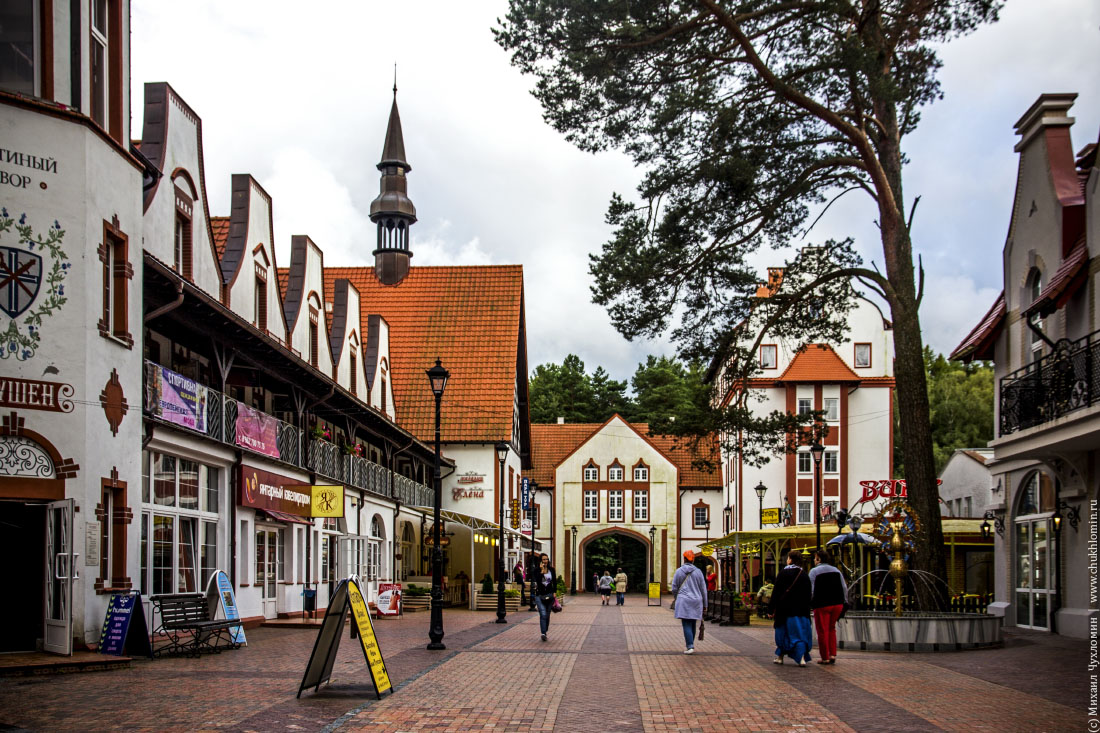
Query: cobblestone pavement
{"type": "Point", "coordinates": [603, 668]}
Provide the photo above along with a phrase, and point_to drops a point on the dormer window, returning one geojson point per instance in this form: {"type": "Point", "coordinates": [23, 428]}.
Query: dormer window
{"type": "Point", "coordinates": [641, 472]}
{"type": "Point", "coordinates": [591, 472]}
{"type": "Point", "coordinates": [615, 472]}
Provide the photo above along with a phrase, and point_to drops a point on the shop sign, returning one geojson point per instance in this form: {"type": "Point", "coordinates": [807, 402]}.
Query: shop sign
{"type": "Point", "coordinates": [525, 492]}
{"type": "Point", "coordinates": [471, 478]}
{"type": "Point", "coordinates": [327, 501]}
{"type": "Point", "coordinates": [261, 489]}
{"type": "Point", "coordinates": [32, 394]}
{"type": "Point", "coordinates": [515, 513]}
{"type": "Point", "coordinates": [459, 492]}
{"type": "Point", "coordinates": [257, 431]}
{"type": "Point", "coordinates": [769, 516]}
{"type": "Point", "coordinates": [886, 489]}
{"type": "Point", "coordinates": [388, 602]}
{"type": "Point", "coordinates": [174, 398]}
{"type": "Point", "coordinates": [363, 624]}
{"type": "Point", "coordinates": [429, 540]}
{"type": "Point", "coordinates": [654, 595]}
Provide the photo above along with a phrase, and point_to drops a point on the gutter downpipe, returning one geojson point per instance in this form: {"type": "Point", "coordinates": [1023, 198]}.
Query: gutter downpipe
{"type": "Point", "coordinates": [168, 307]}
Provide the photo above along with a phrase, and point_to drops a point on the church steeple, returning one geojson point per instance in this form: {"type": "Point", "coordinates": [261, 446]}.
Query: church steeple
{"type": "Point", "coordinates": [392, 211]}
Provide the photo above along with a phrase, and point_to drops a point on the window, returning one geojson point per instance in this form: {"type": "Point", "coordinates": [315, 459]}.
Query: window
{"type": "Point", "coordinates": [113, 253]}
{"type": "Point", "coordinates": [313, 344]}
{"type": "Point", "coordinates": [113, 517]}
{"type": "Point", "coordinates": [261, 304]}
{"type": "Point", "coordinates": [591, 473]}
{"type": "Point", "coordinates": [863, 356]}
{"type": "Point", "coordinates": [1035, 289]}
{"type": "Point", "coordinates": [831, 462]}
{"type": "Point", "coordinates": [615, 473]}
{"type": "Point", "coordinates": [615, 505]}
{"type": "Point", "coordinates": [353, 371]}
{"type": "Point", "coordinates": [99, 57]}
{"type": "Point", "coordinates": [533, 512]}
{"type": "Point", "coordinates": [805, 462]}
{"type": "Point", "coordinates": [181, 245]}
{"type": "Point", "coordinates": [768, 356]}
{"type": "Point", "coordinates": [969, 507]}
{"type": "Point", "coordinates": [19, 59]}
{"type": "Point", "coordinates": [641, 473]}
{"type": "Point", "coordinates": [700, 515]}
{"type": "Point", "coordinates": [832, 409]}
{"type": "Point", "coordinates": [803, 512]}
{"type": "Point", "coordinates": [641, 506]}
{"type": "Point", "coordinates": [805, 405]}
{"type": "Point", "coordinates": [591, 506]}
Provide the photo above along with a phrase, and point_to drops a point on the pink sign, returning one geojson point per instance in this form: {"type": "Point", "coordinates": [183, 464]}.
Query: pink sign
{"type": "Point", "coordinates": [257, 431]}
{"type": "Point", "coordinates": [886, 489]}
{"type": "Point", "coordinates": [389, 599]}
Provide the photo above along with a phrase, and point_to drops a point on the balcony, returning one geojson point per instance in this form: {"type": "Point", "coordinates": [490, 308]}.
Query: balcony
{"type": "Point", "coordinates": [173, 399]}
{"type": "Point", "coordinates": [1060, 383]}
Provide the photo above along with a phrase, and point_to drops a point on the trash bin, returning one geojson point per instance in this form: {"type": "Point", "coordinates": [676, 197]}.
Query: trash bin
{"type": "Point", "coordinates": [309, 600]}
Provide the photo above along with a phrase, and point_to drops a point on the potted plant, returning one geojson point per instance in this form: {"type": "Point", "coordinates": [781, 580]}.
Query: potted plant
{"type": "Point", "coordinates": [353, 449]}
{"type": "Point", "coordinates": [485, 598]}
{"type": "Point", "coordinates": [320, 431]}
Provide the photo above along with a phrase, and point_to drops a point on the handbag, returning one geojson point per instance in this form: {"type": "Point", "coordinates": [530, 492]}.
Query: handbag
{"type": "Point", "coordinates": [556, 608]}
{"type": "Point", "coordinates": [702, 629]}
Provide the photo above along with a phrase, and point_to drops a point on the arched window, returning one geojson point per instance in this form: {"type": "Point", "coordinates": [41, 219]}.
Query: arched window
{"type": "Point", "coordinates": [1034, 290]}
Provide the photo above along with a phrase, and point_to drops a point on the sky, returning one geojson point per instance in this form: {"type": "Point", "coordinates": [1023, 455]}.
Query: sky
{"type": "Point", "coordinates": [300, 100]}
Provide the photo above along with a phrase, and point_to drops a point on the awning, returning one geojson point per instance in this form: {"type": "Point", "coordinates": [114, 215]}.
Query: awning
{"type": "Point", "coordinates": [474, 523]}
{"type": "Point", "coordinates": [1065, 281]}
{"type": "Point", "coordinates": [951, 527]}
{"type": "Point", "coordinates": [284, 517]}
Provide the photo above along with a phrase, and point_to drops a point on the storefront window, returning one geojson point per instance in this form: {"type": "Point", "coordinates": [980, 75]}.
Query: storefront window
{"type": "Point", "coordinates": [164, 480]}
{"type": "Point", "coordinates": [163, 535]}
{"type": "Point", "coordinates": [187, 554]}
{"type": "Point", "coordinates": [189, 484]}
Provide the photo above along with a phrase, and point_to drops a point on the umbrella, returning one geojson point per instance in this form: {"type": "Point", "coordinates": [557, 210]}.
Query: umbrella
{"type": "Point", "coordinates": [859, 538]}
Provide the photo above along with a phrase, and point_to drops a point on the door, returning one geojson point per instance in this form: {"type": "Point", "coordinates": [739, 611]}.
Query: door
{"type": "Point", "coordinates": [267, 566]}
{"type": "Point", "coordinates": [1035, 578]}
{"type": "Point", "coordinates": [61, 571]}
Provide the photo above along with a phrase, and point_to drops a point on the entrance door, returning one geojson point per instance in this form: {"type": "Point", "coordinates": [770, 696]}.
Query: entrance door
{"type": "Point", "coordinates": [267, 569]}
{"type": "Point", "coordinates": [61, 571]}
{"type": "Point", "coordinates": [1035, 578]}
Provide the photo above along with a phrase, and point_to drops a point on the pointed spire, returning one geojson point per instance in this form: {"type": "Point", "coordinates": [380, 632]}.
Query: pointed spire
{"type": "Point", "coordinates": [393, 151]}
{"type": "Point", "coordinates": [392, 211]}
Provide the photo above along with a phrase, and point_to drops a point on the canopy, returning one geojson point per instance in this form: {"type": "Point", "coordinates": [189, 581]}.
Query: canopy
{"type": "Point", "coordinates": [954, 529]}
{"type": "Point", "coordinates": [474, 523]}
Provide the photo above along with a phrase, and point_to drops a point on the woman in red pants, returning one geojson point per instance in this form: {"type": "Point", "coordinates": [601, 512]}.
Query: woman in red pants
{"type": "Point", "coordinates": [827, 596]}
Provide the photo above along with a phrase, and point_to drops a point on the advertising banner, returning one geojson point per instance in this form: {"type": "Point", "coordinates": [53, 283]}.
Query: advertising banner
{"type": "Point", "coordinates": [257, 431]}
{"type": "Point", "coordinates": [219, 589]}
{"type": "Point", "coordinates": [654, 595]}
{"type": "Point", "coordinates": [327, 501]}
{"type": "Point", "coordinates": [262, 489]}
{"type": "Point", "coordinates": [174, 398]}
{"type": "Point", "coordinates": [365, 627]}
{"type": "Point", "coordinates": [124, 628]}
{"type": "Point", "coordinates": [389, 599]}
{"type": "Point", "coordinates": [525, 492]}
{"type": "Point", "coordinates": [769, 516]}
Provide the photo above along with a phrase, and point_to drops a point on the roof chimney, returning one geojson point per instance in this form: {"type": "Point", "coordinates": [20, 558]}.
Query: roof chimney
{"type": "Point", "coordinates": [1049, 110]}
{"type": "Point", "coordinates": [561, 421]}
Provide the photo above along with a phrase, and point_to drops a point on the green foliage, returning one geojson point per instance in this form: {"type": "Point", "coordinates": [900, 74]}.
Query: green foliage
{"type": "Point", "coordinates": [960, 400]}
{"type": "Point", "coordinates": [14, 341]}
{"type": "Point", "coordinates": [417, 590]}
{"type": "Point", "coordinates": [487, 584]}
{"type": "Point", "coordinates": [511, 593]}
{"type": "Point", "coordinates": [616, 551]}
{"type": "Point", "coordinates": [559, 587]}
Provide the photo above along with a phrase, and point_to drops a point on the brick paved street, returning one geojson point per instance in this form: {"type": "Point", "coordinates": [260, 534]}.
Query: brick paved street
{"type": "Point", "coordinates": [603, 669]}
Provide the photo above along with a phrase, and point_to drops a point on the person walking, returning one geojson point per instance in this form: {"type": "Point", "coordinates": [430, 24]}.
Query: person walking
{"type": "Point", "coordinates": [544, 584]}
{"type": "Point", "coordinates": [689, 590]}
{"type": "Point", "coordinates": [605, 584]}
{"type": "Point", "coordinates": [828, 593]}
{"type": "Point", "coordinates": [620, 587]}
{"type": "Point", "coordinates": [790, 605]}
{"type": "Point", "coordinates": [519, 579]}
{"type": "Point", "coordinates": [595, 582]}
{"type": "Point", "coordinates": [712, 578]}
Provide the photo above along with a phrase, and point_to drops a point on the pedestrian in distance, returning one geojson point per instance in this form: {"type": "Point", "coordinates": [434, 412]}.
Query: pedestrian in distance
{"type": "Point", "coordinates": [519, 579]}
{"type": "Point", "coordinates": [620, 587]}
{"type": "Point", "coordinates": [595, 582]}
{"type": "Point", "coordinates": [605, 584]}
{"type": "Point", "coordinates": [712, 578]}
{"type": "Point", "coordinates": [828, 594]}
{"type": "Point", "coordinates": [689, 590]}
{"type": "Point", "coordinates": [544, 585]}
{"type": "Point", "coordinates": [790, 606]}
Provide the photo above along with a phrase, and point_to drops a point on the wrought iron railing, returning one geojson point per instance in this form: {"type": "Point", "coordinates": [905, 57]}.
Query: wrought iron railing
{"type": "Point", "coordinates": [1065, 380]}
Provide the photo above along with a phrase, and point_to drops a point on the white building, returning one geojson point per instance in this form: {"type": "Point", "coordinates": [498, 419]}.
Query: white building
{"type": "Point", "coordinates": [966, 483]}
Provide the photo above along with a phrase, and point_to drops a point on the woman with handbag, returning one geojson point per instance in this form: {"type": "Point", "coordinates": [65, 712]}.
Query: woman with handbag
{"type": "Point", "coordinates": [544, 583]}
{"type": "Point", "coordinates": [689, 590]}
{"type": "Point", "coordinates": [791, 606]}
{"type": "Point", "coordinates": [828, 597]}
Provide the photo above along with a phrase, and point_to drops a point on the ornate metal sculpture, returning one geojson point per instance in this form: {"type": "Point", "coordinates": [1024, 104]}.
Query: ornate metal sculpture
{"type": "Point", "coordinates": [897, 527]}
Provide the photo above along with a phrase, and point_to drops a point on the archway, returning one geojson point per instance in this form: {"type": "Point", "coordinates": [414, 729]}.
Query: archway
{"type": "Point", "coordinates": [612, 549]}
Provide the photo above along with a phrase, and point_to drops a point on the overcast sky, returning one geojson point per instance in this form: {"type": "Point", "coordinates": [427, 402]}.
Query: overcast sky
{"type": "Point", "coordinates": [299, 99]}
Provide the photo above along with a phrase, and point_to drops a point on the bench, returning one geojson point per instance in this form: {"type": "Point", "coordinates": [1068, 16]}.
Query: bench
{"type": "Point", "coordinates": [186, 623]}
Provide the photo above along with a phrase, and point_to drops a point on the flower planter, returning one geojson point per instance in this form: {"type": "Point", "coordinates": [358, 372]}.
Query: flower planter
{"type": "Point", "coordinates": [739, 617]}
{"type": "Point", "coordinates": [488, 602]}
{"type": "Point", "coordinates": [415, 603]}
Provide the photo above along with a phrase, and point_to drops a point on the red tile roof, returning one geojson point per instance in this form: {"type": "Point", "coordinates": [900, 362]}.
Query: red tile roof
{"type": "Point", "coordinates": [978, 344]}
{"type": "Point", "coordinates": [469, 317]}
{"type": "Point", "coordinates": [551, 444]}
{"type": "Point", "coordinates": [818, 363]}
{"type": "Point", "coordinates": [219, 229]}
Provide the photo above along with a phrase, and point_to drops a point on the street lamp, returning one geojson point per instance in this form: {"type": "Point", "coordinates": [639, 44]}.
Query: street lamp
{"type": "Point", "coordinates": [818, 450]}
{"type": "Point", "coordinates": [502, 456]}
{"type": "Point", "coordinates": [437, 377]}
{"type": "Point", "coordinates": [652, 539]}
{"type": "Point", "coordinates": [573, 565]}
{"type": "Point", "coordinates": [760, 490]}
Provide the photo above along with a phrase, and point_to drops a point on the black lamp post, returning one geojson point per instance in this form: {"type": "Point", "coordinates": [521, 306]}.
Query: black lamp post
{"type": "Point", "coordinates": [652, 539]}
{"type": "Point", "coordinates": [818, 450]}
{"type": "Point", "coordinates": [573, 566]}
{"type": "Point", "coordinates": [760, 490]}
{"type": "Point", "coordinates": [502, 455]}
{"type": "Point", "coordinates": [437, 377]}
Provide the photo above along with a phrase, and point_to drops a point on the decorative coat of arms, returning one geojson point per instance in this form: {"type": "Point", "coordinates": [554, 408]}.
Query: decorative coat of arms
{"type": "Point", "coordinates": [36, 266]}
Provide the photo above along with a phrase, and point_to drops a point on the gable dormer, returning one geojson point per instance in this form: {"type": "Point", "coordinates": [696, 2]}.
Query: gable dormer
{"type": "Point", "coordinates": [249, 280]}
{"type": "Point", "coordinates": [344, 341]}
{"type": "Point", "coordinates": [376, 362]}
{"type": "Point", "coordinates": [304, 304]}
{"type": "Point", "coordinates": [177, 216]}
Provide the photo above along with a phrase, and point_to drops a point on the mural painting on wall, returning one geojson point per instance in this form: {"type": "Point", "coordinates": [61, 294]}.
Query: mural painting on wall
{"type": "Point", "coordinates": [31, 286]}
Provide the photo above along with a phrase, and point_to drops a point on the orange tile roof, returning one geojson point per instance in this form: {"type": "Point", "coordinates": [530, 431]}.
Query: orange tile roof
{"type": "Point", "coordinates": [471, 318]}
{"type": "Point", "coordinates": [552, 443]}
{"type": "Point", "coordinates": [219, 229]}
{"type": "Point", "coordinates": [818, 363]}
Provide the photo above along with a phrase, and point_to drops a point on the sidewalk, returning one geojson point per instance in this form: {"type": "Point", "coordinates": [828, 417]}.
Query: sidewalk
{"type": "Point", "coordinates": [603, 669]}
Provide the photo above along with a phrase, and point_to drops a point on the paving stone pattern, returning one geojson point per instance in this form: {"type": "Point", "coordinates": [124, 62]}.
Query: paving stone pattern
{"type": "Point", "coordinates": [604, 668]}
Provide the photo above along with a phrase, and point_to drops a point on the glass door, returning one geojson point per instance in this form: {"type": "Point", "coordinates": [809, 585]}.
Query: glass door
{"type": "Point", "coordinates": [61, 571]}
{"type": "Point", "coordinates": [267, 564]}
{"type": "Point", "coordinates": [1035, 580]}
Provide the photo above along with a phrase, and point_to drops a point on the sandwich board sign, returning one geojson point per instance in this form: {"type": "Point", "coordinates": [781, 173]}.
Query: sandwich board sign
{"type": "Point", "coordinates": [219, 594]}
{"type": "Point", "coordinates": [124, 628]}
{"type": "Point", "coordinates": [388, 602]}
{"type": "Point", "coordinates": [348, 595]}
{"type": "Point", "coordinates": [654, 595]}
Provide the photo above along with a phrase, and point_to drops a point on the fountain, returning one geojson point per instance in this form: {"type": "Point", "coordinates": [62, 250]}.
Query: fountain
{"type": "Point", "coordinates": [896, 528]}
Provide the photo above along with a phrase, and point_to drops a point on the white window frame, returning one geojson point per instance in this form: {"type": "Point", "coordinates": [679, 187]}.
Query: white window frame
{"type": "Point", "coordinates": [805, 512]}
{"type": "Point", "coordinates": [641, 473]}
{"type": "Point", "coordinates": [865, 363]}
{"type": "Point", "coordinates": [615, 473]}
{"type": "Point", "coordinates": [830, 462]}
{"type": "Point", "coordinates": [641, 505]}
{"type": "Point", "coordinates": [591, 505]}
{"type": "Point", "coordinates": [805, 405]}
{"type": "Point", "coordinates": [695, 514]}
{"type": "Point", "coordinates": [805, 462]}
{"type": "Point", "coordinates": [615, 505]}
{"type": "Point", "coordinates": [591, 473]}
{"type": "Point", "coordinates": [100, 37]}
{"type": "Point", "coordinates": [832, 408]}
{"type": "Point", "coordinates": [771, 361]}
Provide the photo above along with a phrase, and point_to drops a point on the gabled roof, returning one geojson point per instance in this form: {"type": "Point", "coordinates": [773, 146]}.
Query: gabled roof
{"type": "Point", "coordinates": [978, 344]}
{"type": "Point", "coordinates": [818, 363]}
{"type": "Point", "coordinates": [219, 230]}
{"type": "Point", "coordinates": [552, 443]}
{"type": "Point", "coordinates": [469, 317]}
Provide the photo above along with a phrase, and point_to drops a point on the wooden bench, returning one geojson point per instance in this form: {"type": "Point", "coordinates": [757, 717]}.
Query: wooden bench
{"type": "Point", "coordinates": [186, 623]}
